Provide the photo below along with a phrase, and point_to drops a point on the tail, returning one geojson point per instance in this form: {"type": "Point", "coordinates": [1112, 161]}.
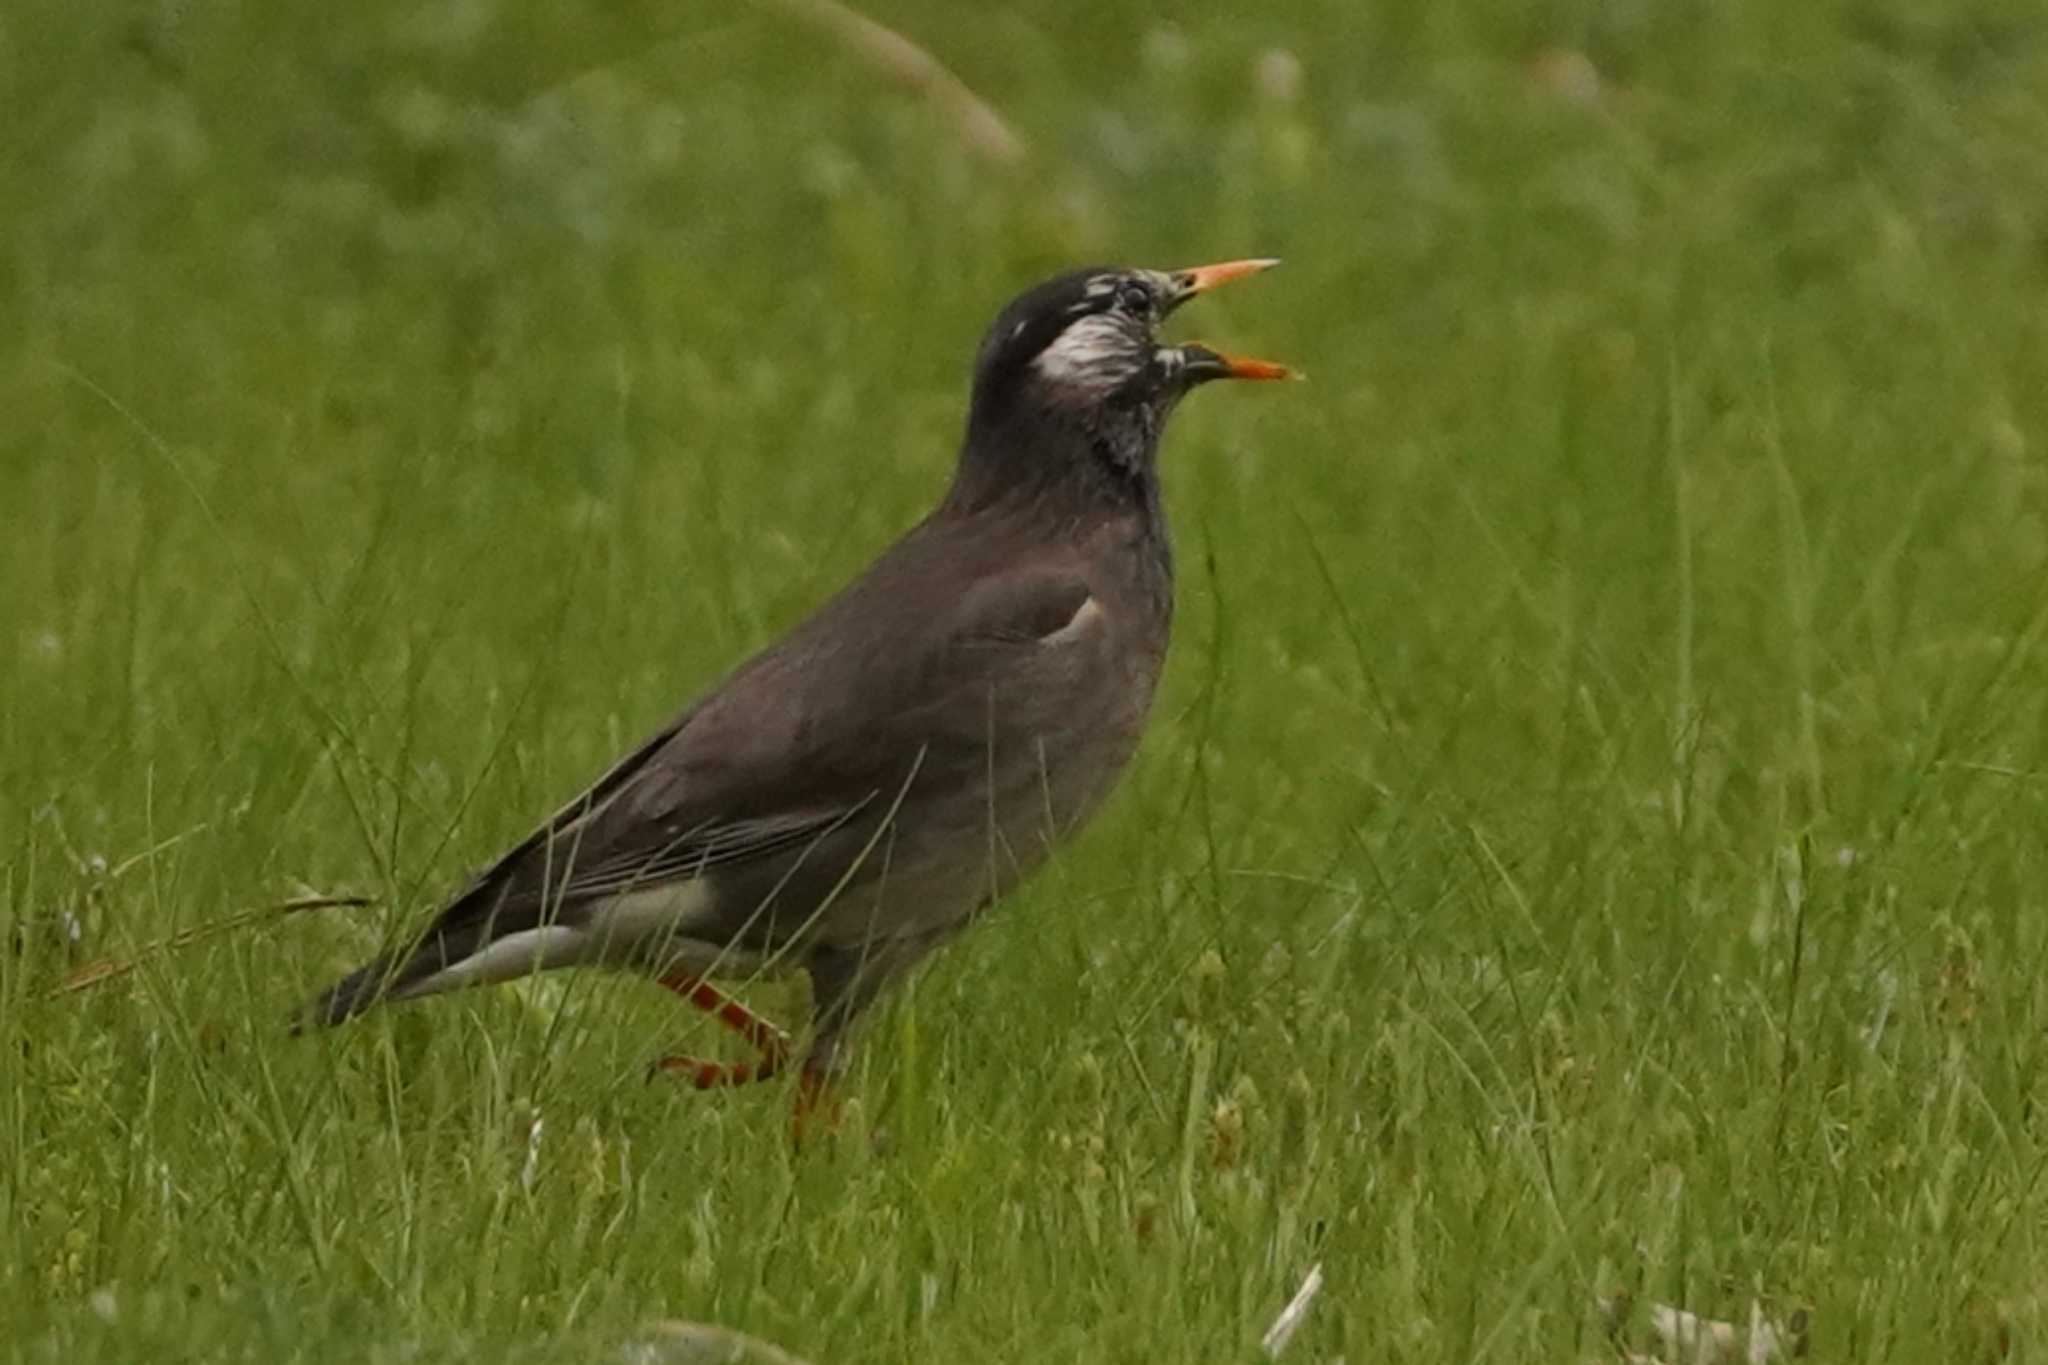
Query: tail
{"type": "Point", "coordinates": [433, 962]}
{"type": "Point", "coordinates": [389, 976]}
{"type": "Point", "coordinates": [477, 941]}
{"type": "Point", "coordinates": [505, 925]}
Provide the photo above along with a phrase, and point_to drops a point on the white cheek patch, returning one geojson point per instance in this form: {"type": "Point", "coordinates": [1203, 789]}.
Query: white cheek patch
{"type": "Point", "coordinates": [1094, 355]}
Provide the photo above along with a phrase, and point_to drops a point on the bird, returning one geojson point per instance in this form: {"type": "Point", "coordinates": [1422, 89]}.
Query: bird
{"type": "Point", "coordinates": [858, 792]}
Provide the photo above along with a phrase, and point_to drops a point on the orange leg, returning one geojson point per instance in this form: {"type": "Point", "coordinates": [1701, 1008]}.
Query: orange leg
{"type": "Point", "coordinates": [816, 1107]}
{"type": "Point", "coordinates": [771, 1042]}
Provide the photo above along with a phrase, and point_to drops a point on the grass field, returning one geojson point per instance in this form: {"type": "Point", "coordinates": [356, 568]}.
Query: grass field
{"type": "Point", "coordinates": [1594, 838]}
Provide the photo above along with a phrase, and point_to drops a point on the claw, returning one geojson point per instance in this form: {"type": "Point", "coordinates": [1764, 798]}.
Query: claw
{"type": "Point", "coordinates": [708, 1075]}
{"type": "Point", "coordinates": [817, 1109]}
{"type": "Point", "coordinates": [771, 1042]}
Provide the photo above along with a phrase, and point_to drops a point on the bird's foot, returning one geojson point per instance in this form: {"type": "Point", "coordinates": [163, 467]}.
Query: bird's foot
{"type": "Point", "coordinates": [709, 1075]}
{"type": "Point", "coordinates": [817, 1109]}
{"type": "Point", "coordinates": [770, 1041]}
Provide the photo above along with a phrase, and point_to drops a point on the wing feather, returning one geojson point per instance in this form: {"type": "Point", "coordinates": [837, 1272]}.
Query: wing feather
{"type": "Point", "coordinates": [791, 748]}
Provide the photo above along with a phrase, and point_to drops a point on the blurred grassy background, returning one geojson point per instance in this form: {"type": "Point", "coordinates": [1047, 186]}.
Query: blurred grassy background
{"type": "Point", "coordinates": [1592, 838]}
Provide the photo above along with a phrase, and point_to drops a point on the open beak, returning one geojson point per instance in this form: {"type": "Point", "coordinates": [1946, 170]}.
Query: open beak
{"type": "Point", "coordinates": [1202, 363]}
{"type": "Point", "coordinates": [1202, 278]}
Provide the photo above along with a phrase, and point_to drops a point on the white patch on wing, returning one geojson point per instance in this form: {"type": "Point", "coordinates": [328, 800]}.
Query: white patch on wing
{"type": "Point", "coordinates": [621, 925]}
{"type": "Point", "coordinates": [1094, 354]}
{"type": "Point", "coordinates": [662, 928]}
{"type": "Point", "coordinates": [666, 928]}
{"type": "Point", "coordinates": [1083, 620]}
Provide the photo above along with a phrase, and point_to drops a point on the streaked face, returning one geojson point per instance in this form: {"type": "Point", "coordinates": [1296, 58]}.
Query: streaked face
{"type": "Point", "coordinates": [1108, 336]}
{"type": "Point", "coordinates": [1091, 337]}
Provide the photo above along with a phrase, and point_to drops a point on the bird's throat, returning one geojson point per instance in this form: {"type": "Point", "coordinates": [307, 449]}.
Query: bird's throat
{"type": "Point", "coordinates": [1064, 462]}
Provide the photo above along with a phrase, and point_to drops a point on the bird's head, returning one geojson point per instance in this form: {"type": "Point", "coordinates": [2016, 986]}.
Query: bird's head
{"type": "Point", "coordinates": [1081, 353]}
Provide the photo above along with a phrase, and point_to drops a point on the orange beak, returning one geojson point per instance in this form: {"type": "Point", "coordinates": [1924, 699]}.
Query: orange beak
{"type": "Point", "coordinates": [1204, 362]}
{"type": "Point", "coordinates": [1202, 278]}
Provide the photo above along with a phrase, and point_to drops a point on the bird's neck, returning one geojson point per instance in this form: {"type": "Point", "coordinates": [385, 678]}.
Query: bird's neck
{"type": "Point", "coordinates": [1060, 462]}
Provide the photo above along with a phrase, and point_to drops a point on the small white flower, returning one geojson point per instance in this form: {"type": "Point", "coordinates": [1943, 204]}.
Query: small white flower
{"type": "Point", "coordinates": [531, 1171]}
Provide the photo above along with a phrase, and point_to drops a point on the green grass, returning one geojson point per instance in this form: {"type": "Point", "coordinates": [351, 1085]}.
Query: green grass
{"type": "Point", "coordinates": [1594, 834]}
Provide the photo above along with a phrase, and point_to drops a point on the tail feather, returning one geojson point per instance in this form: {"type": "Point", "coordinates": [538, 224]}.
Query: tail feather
{"type": "Point", "coordinates": [391, 976]}
{"type": "Point", "coordinates": [483, 937]}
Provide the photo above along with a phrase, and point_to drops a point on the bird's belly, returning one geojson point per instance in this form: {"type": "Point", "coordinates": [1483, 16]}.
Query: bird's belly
{"type": "Point", "coordinates": [949, 857]}
{"type": "Point", "coordinates": [964, 831]}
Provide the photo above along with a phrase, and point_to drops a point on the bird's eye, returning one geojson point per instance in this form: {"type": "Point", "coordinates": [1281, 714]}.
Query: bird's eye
{"type": "Point", "coordinates": [1134, 298]}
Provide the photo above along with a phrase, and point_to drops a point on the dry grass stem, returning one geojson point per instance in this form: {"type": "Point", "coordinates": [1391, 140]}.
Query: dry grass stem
{"type": "Point", "coordinates": [979, 125]}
